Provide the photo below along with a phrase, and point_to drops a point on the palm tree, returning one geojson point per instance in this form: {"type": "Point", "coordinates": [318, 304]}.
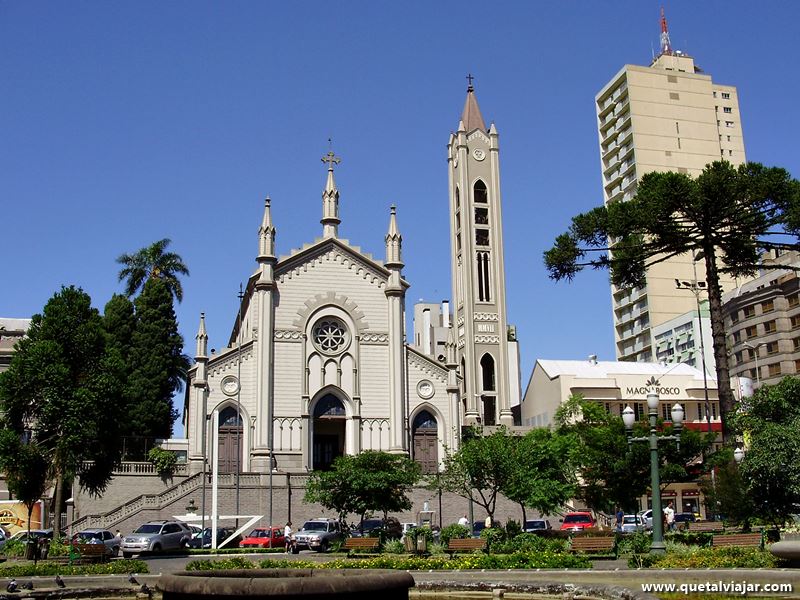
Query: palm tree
{"type": "Point", "coordinates": [149, 262]}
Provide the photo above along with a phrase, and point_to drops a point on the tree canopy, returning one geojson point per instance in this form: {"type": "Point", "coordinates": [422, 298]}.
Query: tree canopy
{"type": "Point", "coordinates": [60, 395]}
{"type": "Point", "coordinates": [770, 423]}
{"type": "Point", "coordinates": [368, 482]}
{"type": "Point", "coordinates": [726, 215]}
{"type": "Point", "coordinates": [153, 262]}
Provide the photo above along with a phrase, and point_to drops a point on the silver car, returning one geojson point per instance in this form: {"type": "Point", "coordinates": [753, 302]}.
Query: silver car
{"type": "Point", "coordinates": [156, 536]}
{"type": "Point", "coordinates": [632, 523]}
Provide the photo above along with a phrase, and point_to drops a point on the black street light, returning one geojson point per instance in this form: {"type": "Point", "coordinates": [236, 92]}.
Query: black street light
{"type": "Point", "coordinates": [628, 417]}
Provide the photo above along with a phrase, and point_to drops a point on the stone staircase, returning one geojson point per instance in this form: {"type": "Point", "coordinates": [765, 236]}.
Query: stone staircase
{"type": "Point", "coordinates": [149, 502]}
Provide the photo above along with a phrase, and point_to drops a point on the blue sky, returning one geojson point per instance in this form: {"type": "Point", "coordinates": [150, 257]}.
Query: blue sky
{"type": "Point", "coordinates": [126, 122]}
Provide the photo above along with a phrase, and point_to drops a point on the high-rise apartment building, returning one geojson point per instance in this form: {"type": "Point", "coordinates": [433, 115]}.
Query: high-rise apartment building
{"type": "Point", "coordinates": [669, 116]}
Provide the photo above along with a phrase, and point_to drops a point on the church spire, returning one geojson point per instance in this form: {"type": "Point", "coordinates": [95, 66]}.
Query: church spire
{"type": "Point", "coordinates": [201, 350]}
{"type": "Point", "coordinates": [394, 242]}
{"type": "Point", "coordinates": [266, 234]}
{"type": "Point", "coordinates": [471, 115]}
{"type": "Point", "coordinates": [330, 199]}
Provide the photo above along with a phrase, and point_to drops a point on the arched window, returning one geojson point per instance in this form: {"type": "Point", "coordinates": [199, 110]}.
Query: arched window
{"type": "Point", "coordinates": [463, 375]}
{"type": "Point", "coordinates": [479, 193]}
{"type": "Point", "coordinates": [227, 418]}
{"type": "Point", "coordinates": [425, 420]}
{"type": "Point", "coordinates": [487, 373]}
{"type": "Point", "coordinates": [483, 277]}
{"type": "Point", "coordinates": [329, 406]}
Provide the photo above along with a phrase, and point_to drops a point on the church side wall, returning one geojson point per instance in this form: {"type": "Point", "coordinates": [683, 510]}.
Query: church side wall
{"type": "Point", "coordinates": [374, 380]}
{"type": "Point", "coordinates": [289, 374]}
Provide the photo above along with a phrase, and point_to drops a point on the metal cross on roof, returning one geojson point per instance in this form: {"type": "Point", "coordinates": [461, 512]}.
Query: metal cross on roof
{"type": "Point", "coordinates": [469, 79]}
{"type": "Point", "coordinates": [331, 158]}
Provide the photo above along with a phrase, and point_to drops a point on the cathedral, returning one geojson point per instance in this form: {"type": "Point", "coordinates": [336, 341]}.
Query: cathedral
{"type": "Point", "coordinates": [317, 365]}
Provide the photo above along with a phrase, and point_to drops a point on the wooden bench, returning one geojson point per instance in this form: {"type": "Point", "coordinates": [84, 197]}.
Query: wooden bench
{"type": "Point", "coordinates": [363, 546]}
{"type": "Point", "coordinates": [603, 544]}
{"type": "Point", "coordinates": [744, 540]}
{"type": "Point", "coordinates": [708, 526]}
{"type": "Point", "coordinates": [456, 545]}
{"type": "Point", "coordinates": [88, 552]}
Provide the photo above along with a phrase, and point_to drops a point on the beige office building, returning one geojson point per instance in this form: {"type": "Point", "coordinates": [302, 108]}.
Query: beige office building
{"type": "Point", "coordinates": [669, 116]}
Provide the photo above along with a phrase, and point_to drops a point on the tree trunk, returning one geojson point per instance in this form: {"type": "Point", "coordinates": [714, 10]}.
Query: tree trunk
{"type": "Point", "coordinates": [59, 500]}
{"type": "Point", "coordinates": [724, 392]}
{"type": "Point", "coordinates": [524, 518]}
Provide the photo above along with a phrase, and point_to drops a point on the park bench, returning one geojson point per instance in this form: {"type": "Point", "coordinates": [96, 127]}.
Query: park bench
{"type": "Point", "coordinates": [744, 540]}
{"type": "Point", "coordinates": [456, 545]}
{"type": "Point", "coordinates": [600, 545]}
{"type": "Point", "coordinates": [363, 546]}
{"type": "Point", "coordinates": [88, 553]}
{"type": "Point", "coordinates": [707, 526]}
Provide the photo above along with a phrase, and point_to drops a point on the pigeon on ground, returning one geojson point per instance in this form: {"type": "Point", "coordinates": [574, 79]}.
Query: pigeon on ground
{"type": "Point", "coordinates": [28, 585]}
{"type": "Point", "coordinates": [60, 582]}
{"type": "Point", "coordinates": [12, 586]}
{"type": "Point", "coordinates": [132, 579]}
{"type": "Point", "coordinates": [145, 589]}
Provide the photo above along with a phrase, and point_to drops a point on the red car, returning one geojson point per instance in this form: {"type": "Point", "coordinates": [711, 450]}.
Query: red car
{"type": "Point", "coordinates": [259, 538]}
{"type": "Point", "coordinates": [577, 521]}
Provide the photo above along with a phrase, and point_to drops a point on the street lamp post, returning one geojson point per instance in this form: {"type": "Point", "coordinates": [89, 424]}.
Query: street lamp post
{"type": "Point", "coordinates": [657, 546]}
{"type": "Point", "coordinates": [755, 355]}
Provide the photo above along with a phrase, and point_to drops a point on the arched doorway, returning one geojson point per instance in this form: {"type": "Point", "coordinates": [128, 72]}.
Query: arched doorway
{"type": "Point", "coordinates": [329, 431]}
{"type": "Point", "coordinates": [424, 432]}
{"type": "Point", "coordinates": [231, 436]}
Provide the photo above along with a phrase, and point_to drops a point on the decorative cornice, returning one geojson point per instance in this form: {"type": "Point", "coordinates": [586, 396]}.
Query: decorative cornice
{"type": "Point", "coordinates": [485, 316]}
{"type": "Point", "coordinates": [377, 339]}
{"type": "Point", "coordinates": [487, 339]}
{"type": "Point", "coordinates": [478, 134]}
{"type": "Point", "coordinates": [230, 362]}
{"type": "Point", "coordinates": [288, 334]}
{"type": "Point", "coordinates": [426, 364]}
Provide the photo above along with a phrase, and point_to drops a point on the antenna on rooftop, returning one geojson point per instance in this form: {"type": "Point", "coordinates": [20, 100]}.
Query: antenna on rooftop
{"type": "Point", "coordinates": [666, 47]}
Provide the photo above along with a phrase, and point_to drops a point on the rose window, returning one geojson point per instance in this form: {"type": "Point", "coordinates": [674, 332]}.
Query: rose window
{"type": "Point", "coordinates": [330, 335]}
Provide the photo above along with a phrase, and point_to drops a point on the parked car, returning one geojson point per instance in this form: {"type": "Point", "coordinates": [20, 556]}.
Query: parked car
{"type": "Point", "coordinates": [405, 527]}
{"type": "Point", "coordinates": [204, 540]}
{"type": "Point", "coordinates": [647, 518]}
{"type": "Point", "coordinates": [389, 529]}
{"type": "Point", "coordinates": [365, 528]}
{"type": "Point", "coordinates": [99, 536]}
{"type": "Point", "coordinates": [37, 534]}
{"type": "Point", "coordinates": [259, 538]}
{"type": "Point", "coordinates": [537, 525]}
{"type": "Point", "coordinates": [632, 523]}
{"type": "Point", "coordinates": [577, 521]}
{"type": "Point", "coordinates": [155, 536]}
{"type": "Point", "coordinates": [683, 519]}
{"type": "Point", "coordinates": [318, 534]}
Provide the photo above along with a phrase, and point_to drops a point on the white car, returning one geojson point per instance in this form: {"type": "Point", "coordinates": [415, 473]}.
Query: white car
{"type": "Point", "coordinates": [99, 536]}
{"type": "Point", "coordinates": [647, 518]}
{"type": "Point", "coordinates": [632, 523]}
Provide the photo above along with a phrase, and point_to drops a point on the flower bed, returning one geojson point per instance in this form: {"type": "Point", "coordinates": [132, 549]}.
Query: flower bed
{"type": "Point", "coordinates": [44, 567]}
{"type": "Point", "coordinates": [729, 557]}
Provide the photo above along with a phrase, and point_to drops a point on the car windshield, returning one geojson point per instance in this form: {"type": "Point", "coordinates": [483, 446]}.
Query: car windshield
{"type": "Point", "coordinates": [577, 519]}
{"type": "Point", "coordinates": [535, 524]}
{"type": "Point", "coordinates": [315, 526]}
{"type": "Point", "coordinates": [258, 533]}
{"type": "Point", "coordinates": [147, 528]}
{"type": "Point", "coordinates": [629, 519]}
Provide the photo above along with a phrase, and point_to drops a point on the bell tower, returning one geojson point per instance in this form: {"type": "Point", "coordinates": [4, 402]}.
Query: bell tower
{"type": "Point", "coordinates": [478, 272]}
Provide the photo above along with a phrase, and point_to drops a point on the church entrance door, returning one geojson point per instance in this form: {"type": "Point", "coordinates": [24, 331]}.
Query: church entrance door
{"type": "Point", "coordinates": [329, 432]}
{"type": "Point", "coordinates": [229, 450]}
{"type": "Point", "coordinates": [425, 447]}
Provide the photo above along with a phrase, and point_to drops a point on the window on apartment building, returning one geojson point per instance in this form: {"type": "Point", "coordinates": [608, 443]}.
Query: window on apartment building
{"type": "Point", "coordinates": [715, 94]}
{"type": "Point", "coordinates": [701, 412]}
{"type": "Point", "coordinates": [638, 411]}
{"type": "Point", "coordinates": [728, 123]}
{"type": "Point", "coordinates": [726, 109]}
{"type": "Point", "coordinates": [730, 152]}
{"type": "Point", "coordinates": [672, 79]}
{"type": "Point", "coordinates": [767, 306]}
{"type": "Point", "coordinates": [796, 343]}
{"type": "Point", "coordinates": [774, 369]}
{"type": "Point", "coordinates": [770, 326]}
{"type": "Point", "coordinates": [738, 357]}
{"type": "Point", "coordinates": [716, 109]}
{"type": "Point", "coordinates": [749, 311]}
{"type": "Point", "coordinates": [752, 353]}
{"type": "Point", "coordinates": [674, 96]}
{"type": "Point", "coordinates": [729, 138]}
{"type": "Point", "coordinates": [737, 336]}
{"type": "Point", "coordinates": [753, 373]}
{"type": "Point", "coordinates": [735, 316]}
{"type": "Point", "coordinates": [772, 348]}
{"type": "Point", "coordinates": [751, 332]}
{"type": "Point", "coordinates": [794, 300]}
{"type": "Point", "coordinates": [714, 410]}
{"type": "Point", "coordinates": [725, 95]}
{"type": "Point", "coordinates": [797, 366]}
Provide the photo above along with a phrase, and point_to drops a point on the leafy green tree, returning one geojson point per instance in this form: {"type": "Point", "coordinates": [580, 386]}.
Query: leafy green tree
{"type": "Point", "coordinates": [481, 468]}
{"type": "Point", "coordinates": [157, 363]}
{"type": "Point", "coordinates": [63, 388]}
{"type": "Point", "coordinates": [725, 490]}
{"type": "Point", "coordinates": [119, 323]}
{"type": "Point", "coordinates": [726, 215]}
{"type": "Point", "coordinates": [770, 421]}
{"type": "Point", "coordinates": [612, 473]}
{"type": "Point", "coordinates": [369, 482]}
{"type": "Point", "coordinates": [542, 475]}
{"type": "Point", "coordinates": [153, 262]}
{"type": "Point", "coordinates": [26, 469]}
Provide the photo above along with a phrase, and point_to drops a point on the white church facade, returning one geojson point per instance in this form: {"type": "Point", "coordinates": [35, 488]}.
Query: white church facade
{"type": "Point", "coordinates": [317, 365]}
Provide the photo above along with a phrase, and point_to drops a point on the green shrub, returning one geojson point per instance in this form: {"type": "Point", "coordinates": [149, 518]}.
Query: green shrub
{"type": "Point", "coordinates": [415, 532]}
{"type": "Point", "coordinates": [14, 548]}
{"type": "Point", "coordinates": [494, 536]}
{"type": "Point", "coordinates": [453, 532]}
{"type": "Point", "coordinates": [691, 538]}
{"type": "Point", "coordinates": [531, 542]}
{"type": "Point", "coordinates": [512, 528]}
{"type": "Point", "coordinates": [234, 562]}
{"type": "Point", "coordinates": [729, 557]}
{"type": "Point", "coordinates": [436, 549]}
{"type": "Point", "coordinates": [44, 568]}
{"type": "Point", "coordinates": [394, 547]}
{"type": "Point", "coordinates": [634, 543]}
{"type": "Point", "coordinates": [164, 461]}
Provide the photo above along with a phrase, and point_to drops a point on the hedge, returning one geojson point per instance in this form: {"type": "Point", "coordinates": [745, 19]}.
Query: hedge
{"type": "Point", "coordinates": [729, 557]}
{"type": "Point", "coordinates": [114, 567]}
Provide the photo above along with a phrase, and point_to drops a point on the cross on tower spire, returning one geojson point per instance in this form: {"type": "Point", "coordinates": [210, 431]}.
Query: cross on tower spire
{"type": "Point", "coordinates": [469, 82]}
{"type": "Point", "coordinates": [331, 158]}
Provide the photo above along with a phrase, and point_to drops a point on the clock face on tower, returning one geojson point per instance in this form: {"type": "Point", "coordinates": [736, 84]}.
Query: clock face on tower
{"type": "Point", "coordinates": [478, 154]}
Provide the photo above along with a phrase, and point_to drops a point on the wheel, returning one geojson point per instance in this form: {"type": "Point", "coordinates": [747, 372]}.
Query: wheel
{"type": "Point", "coordinates": [115, 551]}
{"type": "Point", "coordinates": [157, 548]}
{"type": "Point", "coordinates": [324, 546]}
{"type": "Point", "coordinates": [127, 554]}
